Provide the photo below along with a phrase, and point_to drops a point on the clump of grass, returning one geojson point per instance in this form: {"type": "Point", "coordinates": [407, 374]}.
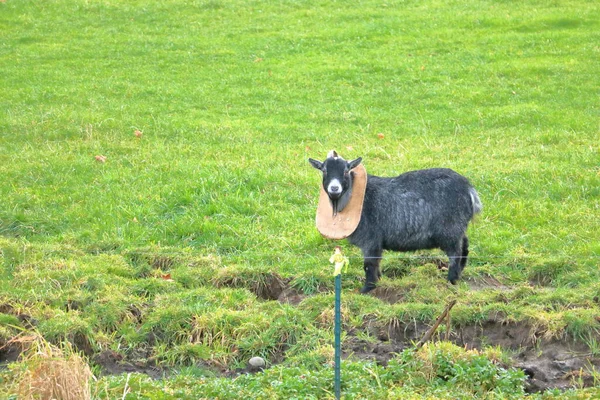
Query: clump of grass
{"type": "Point", "coordinates": [312, 350]}
{"type": "Point", "coordinates": [46, 371]}
{"type": "Point", "coordinates": [171, 318]}
{"type": "Point", "coordinates": [396, 315]}
{"type": "Point", "coordinates": [546, 272]}
{"type": "Point", "coordinates": [443, 363]}
{"type": "Point", "coordinates": [238, 335]}
{"type": "Point", "coordinates": [263, 282]}
{"type": "Point", "coordinates": [398, 268]}
{"type": "Point", "coordinates": [582, 324]}
{"type": "Point", "coordinates": [167, 257]}
{"type": "Point", "coordinates": [114, 308]}
{"type": "Point", "coordinates": [9, 327]}
{"type": "Point", "coordinates": [149, 288]}
{"type": "Point", "coordinates": [188, 354]}
{"type": "Point", "coordinates": [11, 255]}
{"type": "Point", "coordinates": [355, 308]}
{"type": "Point", "coordinates": [231, 323]}
{"type": "Point", "coordinates": [193, 275]}
{"type": "Point", "coordinates": [312, 282]}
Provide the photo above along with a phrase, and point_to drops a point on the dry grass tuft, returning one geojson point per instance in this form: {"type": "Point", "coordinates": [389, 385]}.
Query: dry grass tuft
{"type": "Point", "coordinates": [50, 372]}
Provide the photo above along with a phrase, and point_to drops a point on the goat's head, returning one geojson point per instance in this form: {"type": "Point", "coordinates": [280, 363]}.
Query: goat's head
{"type": "Point", "coordinates": [337, 178]}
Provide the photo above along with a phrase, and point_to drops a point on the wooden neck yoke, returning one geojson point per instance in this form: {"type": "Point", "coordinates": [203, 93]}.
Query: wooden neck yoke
{"type": "Point", "coordinates": [346, 221]}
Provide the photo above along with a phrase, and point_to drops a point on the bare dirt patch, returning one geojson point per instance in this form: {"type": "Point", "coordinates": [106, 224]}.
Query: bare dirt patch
{"type": "Point", "coordinates": [113, 363]}
{"type": "Point", "coordinates": [9, 353]}
{"type": "Point", "coordinates": [558, 364]}
{"type": "Point", "coordinates": [291, 296]}
{"type": "Point", "coordinates": [548, 364]}
{"type": "Point", "coordinates": [271, 288]}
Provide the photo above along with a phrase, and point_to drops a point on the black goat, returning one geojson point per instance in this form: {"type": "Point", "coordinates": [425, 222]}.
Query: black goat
{"type": "Point", "coordinates": [423, 209]}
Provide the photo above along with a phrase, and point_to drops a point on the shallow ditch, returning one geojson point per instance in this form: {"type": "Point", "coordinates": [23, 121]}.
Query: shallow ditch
{"type": "Point", "coordinates": [548, 364]}
{"type": "Point", "coordinates": [560, 363]}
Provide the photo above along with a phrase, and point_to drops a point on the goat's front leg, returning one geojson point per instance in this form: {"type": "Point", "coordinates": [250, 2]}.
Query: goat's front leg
{"type": "Point", "coordinates": [372, 258]}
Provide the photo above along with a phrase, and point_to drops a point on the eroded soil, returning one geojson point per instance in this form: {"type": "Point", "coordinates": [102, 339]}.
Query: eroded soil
{"type": "Point", "coordinates": [557, 363]}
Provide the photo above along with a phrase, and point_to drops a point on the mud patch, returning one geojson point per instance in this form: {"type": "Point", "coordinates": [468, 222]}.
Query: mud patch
{"type": "Point", "coordinates": [113, 363]}
{"type": "Point", "coordinates": [379, 351]}
{"type": "Point", "coordinates": [291, 296]}
{"type": "Point", "coordinates": [512, 336]}
{"type": "Point", "coordinates": [9, 352]}
{"type": "Point", "coordinates": [558, 364]}
{"type": "Point", "coordinates": [270, 288]}
{"type": "Point", "coordinates": [551, 364]}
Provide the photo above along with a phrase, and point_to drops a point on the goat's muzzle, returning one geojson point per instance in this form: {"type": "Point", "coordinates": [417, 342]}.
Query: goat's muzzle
{"type": "Point", "coordinates": [334, 195]}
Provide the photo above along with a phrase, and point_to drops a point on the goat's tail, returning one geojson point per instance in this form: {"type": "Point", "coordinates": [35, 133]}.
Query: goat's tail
{"type": "Point", "coordinates": [475, 201]}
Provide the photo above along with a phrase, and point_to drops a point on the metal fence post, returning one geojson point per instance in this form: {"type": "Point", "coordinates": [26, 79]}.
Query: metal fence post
{"type": "Point", "coordinates": [338, 334]}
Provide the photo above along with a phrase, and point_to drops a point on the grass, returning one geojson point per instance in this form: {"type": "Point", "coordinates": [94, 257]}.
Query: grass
{"type": "Point", "coordinates": [51, 372]}
{"type": "Point", "coordinates": [155, 193]}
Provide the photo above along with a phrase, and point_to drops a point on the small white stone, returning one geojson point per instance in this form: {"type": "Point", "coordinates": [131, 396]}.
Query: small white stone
{"type": "Point", "coordinates": [257, 362]}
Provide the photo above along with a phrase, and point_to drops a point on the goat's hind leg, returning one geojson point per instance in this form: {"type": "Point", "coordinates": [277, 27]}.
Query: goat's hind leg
{"type": "Point", "coordinates": [465, 253]}
{"type": "Point", "coordinates": [456, 261]}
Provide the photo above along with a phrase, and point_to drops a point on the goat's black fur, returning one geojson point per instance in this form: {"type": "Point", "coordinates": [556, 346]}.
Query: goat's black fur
{"type": "Point", "coordinates": [423, 209]}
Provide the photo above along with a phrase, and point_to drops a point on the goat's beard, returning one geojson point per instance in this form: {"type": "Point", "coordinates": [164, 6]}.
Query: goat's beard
{"type": "Point", "coordinates": [338, 205]}
{"type": "Point", "coordinates": [334, 206]}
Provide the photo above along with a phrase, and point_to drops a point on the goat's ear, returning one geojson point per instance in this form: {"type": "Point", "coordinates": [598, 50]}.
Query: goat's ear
{"type": "Point", "coordinates": [354, 163]}
{"type": "Point", "coordinates": [317, 164]}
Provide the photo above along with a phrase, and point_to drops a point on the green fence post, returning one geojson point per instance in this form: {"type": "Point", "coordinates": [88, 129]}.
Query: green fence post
{"type": "Point", "coordinates": [338, 335]}
{"type": "Point", "coordinates": [339, 262]}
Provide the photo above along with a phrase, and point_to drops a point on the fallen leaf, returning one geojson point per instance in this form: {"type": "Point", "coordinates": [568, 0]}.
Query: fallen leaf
{"type": "Point", "coordinates": [138, 133]}
{"type": "Point", "coordinates": [166, 277]}
{"type": "Point", "coordinates": [100, 158]}
{"type": "Point", "coordinates": [380, 135]}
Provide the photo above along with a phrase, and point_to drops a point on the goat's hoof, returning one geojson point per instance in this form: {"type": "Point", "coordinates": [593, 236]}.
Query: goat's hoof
{"type": "Point", "coordinates": [367, 288]}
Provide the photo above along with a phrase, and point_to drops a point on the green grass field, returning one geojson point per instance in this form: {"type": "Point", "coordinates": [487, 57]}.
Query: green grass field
{"type": "Point", "coordinates": [156, 199]}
